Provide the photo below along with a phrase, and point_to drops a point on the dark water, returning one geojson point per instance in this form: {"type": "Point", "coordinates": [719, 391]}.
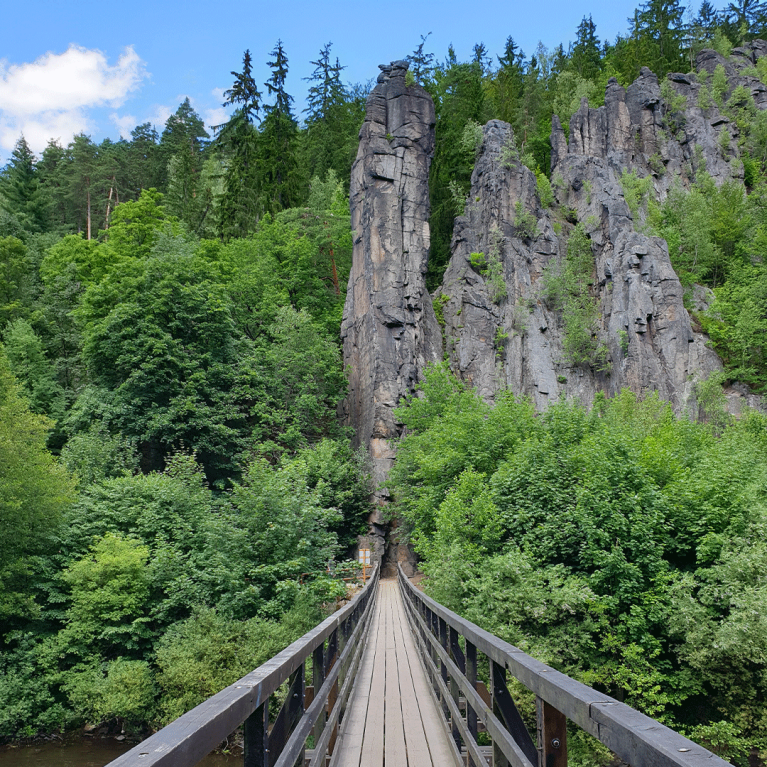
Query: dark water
{"type": "Point", "coordinates": [85, 752]}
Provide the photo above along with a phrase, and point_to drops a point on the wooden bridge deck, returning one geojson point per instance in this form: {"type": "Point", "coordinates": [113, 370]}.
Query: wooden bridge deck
{"type": "Point", "coordinates": [391, 717]}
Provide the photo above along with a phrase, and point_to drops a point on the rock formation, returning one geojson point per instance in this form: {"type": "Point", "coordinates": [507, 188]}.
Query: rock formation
{"type": "Point", "coordinates": [500, 328]}
{"type": "Point", "coordinates": [389, 329]}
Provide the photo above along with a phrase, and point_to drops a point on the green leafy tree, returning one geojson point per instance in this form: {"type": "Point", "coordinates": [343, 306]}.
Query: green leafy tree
{"type": "Point", "coordinates": [459, 98]}
{"type": "Point", "coordinates": [29, 363]}
{"type": "Point", "coordinates": [34, 491]}
{"type": "Point", "coordinates": [158, 334]}
{"type": "Point", "coordinates": [14, 278]}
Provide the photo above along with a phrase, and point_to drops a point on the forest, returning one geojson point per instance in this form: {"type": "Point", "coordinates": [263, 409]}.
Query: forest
{"type": "Point", "coordinates": [177, 493]}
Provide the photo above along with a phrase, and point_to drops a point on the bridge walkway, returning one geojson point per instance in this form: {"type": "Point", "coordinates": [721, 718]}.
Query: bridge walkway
{"type": "Point", "coordinates": [392, 717]}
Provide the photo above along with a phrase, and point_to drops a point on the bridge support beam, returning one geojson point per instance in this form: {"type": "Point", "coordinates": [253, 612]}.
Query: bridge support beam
{"type": "Point", "coordinates": [552, 735]}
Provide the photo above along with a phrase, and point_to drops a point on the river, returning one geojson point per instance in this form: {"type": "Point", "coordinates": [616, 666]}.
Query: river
{"type": "Point", "coordinates": [86, 752]}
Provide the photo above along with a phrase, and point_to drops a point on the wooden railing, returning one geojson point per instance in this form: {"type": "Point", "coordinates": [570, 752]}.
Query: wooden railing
{"type": "Point", "coordinates": [334, 647]}
{"type": "Point", "coordinates": [449, 646]}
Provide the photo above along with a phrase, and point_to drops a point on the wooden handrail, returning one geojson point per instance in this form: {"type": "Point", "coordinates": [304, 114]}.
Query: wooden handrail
{"type": "Point", "coordinates": [335, 647]}
{"type": "Point", "coordinates": [634, 737]}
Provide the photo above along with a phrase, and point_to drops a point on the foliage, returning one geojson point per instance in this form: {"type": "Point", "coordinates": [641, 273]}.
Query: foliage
{"type": "Point", "coordinates": [609, 544]}
{"type": "Point", "coordinates": [34, 491]}
{"type": "Point", "coordinates": [566, 287]}
{"type": "Point", "coordinates": [545, 192]}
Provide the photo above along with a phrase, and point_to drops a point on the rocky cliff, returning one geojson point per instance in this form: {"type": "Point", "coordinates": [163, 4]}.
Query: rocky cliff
{"type": "Point", "coordinates": [513, 312]}
{"type": "Point", "coordinates": [503, 324]}
{"type": "Point", "coordinates": [389, 329]}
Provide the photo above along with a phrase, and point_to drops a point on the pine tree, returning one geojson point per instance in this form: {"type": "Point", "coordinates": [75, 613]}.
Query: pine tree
{"type": "Point", "coordinates": [80, 175]}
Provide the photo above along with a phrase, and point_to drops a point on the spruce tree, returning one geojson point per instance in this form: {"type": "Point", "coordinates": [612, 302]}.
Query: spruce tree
{"type": "Point", "coordinates": [585, 57]}
{"type": "Point", "coordinates": [238, 145]}
{"type": "Point", "coordinates": [421, 63]}
{"type": "Point", "coordinates": [506, 89]}
{"type": "Point", "coordinates": [333, 119]}
{"type": "Point", "coordinates": [658, 26]}
{"type": "Point", "coordinates": [279, 140]}
{"type": "Point", "coordinates": [21, 193]}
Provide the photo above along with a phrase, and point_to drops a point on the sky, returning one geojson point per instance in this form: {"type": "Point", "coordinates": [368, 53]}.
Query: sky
{"type": "Point", "coordinates": [103, 68]}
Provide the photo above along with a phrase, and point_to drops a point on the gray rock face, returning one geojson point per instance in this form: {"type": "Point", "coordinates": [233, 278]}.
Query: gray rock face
{"type": "Point", "coordinates": [389, 329]}
{"type": "Point", "coordinates": [499, 330]}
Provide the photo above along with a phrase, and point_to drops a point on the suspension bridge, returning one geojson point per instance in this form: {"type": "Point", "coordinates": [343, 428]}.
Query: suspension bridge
{"type": "Point", "coordinates": [394, 679]}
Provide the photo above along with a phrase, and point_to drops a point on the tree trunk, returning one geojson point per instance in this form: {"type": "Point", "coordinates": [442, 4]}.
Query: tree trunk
{"type": "Point", "coordinates": [109, 204]}
{"type": "Point", "coordinates": [89, 212]}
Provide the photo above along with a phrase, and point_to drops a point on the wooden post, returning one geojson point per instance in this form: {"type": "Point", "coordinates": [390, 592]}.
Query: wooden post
{"type": "Point", "coordinates": [318, 677]}
{"type": "Point", "coordinates": [471, 676]}
{"type": "Point", "coordinates": [552, 735]}
{"type": "Point", "coordinates": [256, 737]}
{"type": "Point", "coordinates": [442, 627]}
{"type": "Point", "coordinates": [496, 675]}
{"type": "Point", "coordinates": [330, 661]}
{"type": "Point", "coordinates": [460, 660]}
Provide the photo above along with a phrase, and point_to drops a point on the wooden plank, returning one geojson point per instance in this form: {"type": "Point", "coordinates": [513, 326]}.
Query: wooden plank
{"type": "Point", "coordinates": [373, 738]}
{"type": "Point", "coordinates": [415, 736]}
{"type": "Point", "coordinates": [440, 749]}
{"type": "Point", "coordinates": [349, 749]}
{"type": "Point", "coordinates": [349, 658]}
{"type": "Point", "coordinates": [394, 729]}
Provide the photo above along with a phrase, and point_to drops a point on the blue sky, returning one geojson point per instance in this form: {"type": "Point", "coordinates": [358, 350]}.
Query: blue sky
{"type": "Point", "coordinates": [103, 68]}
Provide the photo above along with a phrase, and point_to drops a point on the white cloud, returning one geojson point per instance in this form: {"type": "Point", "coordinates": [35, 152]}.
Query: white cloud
{"type": "Point", "coordinates": [49, 97]}
{"type": "Point", "coordinates": [124, 123]}
{"type": "Point", "coordinates": [215, 116]}
{"type": "Point", "coordinates": [160, 115]}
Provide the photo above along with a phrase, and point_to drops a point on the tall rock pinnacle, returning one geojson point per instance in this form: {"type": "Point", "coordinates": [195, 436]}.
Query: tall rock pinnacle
{"type": "Point", "coordinates": [389, 329]}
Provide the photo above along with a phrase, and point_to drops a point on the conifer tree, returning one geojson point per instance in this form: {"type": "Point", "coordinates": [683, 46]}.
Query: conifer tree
{"type": "Point", "coordinates": [507, 84]}
{"type": "Point", "coordinates": [21, 191]}
{"type": "Point", "coordinates": [279, 140]}
{"type": "Point", "coordinates": [332, 120]}
{"type": "Point", "coordinates": [237, 144]}
{"type": "Point", "coordinates": [421, 63]}
{"type": "Point", "coordinates": [585, 56]}
{"type": "Point", "coordinates": [244, 93]}
{"type": "Point", "coordinates": [658, 25]}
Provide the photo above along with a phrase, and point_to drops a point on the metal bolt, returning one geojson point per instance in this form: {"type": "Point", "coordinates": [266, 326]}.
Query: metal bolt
{"type": "Point", "coordinates": [555, 742]}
